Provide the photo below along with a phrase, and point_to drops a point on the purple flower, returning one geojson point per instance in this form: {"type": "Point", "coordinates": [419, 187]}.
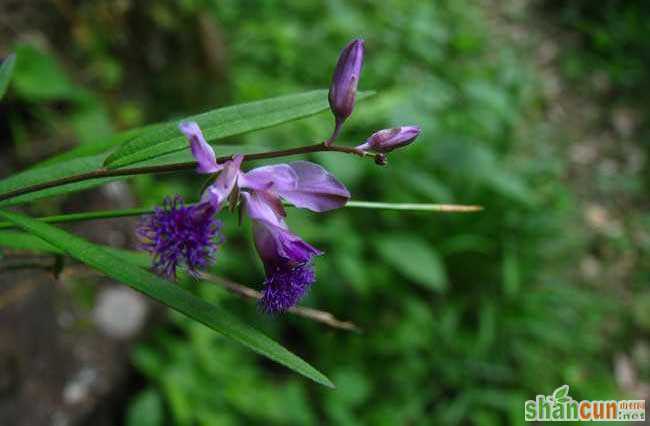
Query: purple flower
{"type": "Point", "coordinates": [179, 235]}
{"type": "Point", "coordinates": [287, 258]}
{"type": "Point", "coordinates": [343, 89]}
{"type": "Point", "coordinates": [389, 139]}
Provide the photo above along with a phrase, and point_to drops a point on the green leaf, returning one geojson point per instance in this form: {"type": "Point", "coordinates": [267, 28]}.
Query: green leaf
{"type": "Point", "coordinates": [22, 241]}
{"type": "Point", "coordinates": [223, 122]}
{"type": "Point", "coordinates": [47, 173]}
{"type": "Point", "coordinates": [40, 78]}
{"type": "Point", "coordinates": [75, 166]}
{"type": "Point", "coordinates": [415, 259]}
{"type": "Point", "coordinates": [165, 292]}
{"type": "Point", "coordinates": [237, 119]}
{"type": "Point", "coordinates": [100, 146]}
{"type": "Point", "coordinates": [6, 70]}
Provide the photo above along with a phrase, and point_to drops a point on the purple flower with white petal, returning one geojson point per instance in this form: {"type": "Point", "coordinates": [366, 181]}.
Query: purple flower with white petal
{"type": "Point", "coordinates": [389, 139]}
{"type": "Point", "coordinates": [343, 89]}
{"type": "Point", "coordinates": [179, 235]}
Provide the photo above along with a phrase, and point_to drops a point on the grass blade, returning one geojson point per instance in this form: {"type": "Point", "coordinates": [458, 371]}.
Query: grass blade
{"type": "Point", "coordinates": [165, 292]}
{"type": "Point", "coordinates": [221, 123]}
{"type": "Point", "coordinates": [42, 173]}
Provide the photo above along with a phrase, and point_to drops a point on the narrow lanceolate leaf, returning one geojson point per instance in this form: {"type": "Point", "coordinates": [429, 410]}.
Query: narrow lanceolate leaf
{"type": "Point", "coordinates": [6, 70]}
{"type": "Point", "coordinates": [47, 173]}
{"type": "Point", "coordinates": [101, 146]}
{"type": "Point", "coordinates": [222, 122]}
{"type": "Point", "coordinates": [18, 240]}
{"type": "Point", "coordinates": [76, 166]}
{"type": "Point", "coordinates": [164, 291]}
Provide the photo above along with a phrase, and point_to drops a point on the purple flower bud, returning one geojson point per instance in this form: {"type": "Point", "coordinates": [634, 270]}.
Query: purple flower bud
{"type": "Point", "coordinates": [389, 139]}
{"type": "Point", "coordinates": [343, 89]}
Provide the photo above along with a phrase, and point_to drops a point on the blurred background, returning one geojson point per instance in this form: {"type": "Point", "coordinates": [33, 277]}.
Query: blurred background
{"type": "Point", "coordinates": [536, 110]}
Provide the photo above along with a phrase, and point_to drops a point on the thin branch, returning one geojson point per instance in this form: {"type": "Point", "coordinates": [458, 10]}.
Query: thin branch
{"type": "Point", "coordinates": [167, 168]}
{"type": "Point", "coordinates": [235, 288]}
{"type": "Point", "coordinates": [309, 313]}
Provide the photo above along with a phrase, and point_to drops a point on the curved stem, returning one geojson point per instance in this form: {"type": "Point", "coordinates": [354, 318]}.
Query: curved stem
{"type": "Point", "coordinates": [338, 125]}
{"type": "Point", "coordinates": [167, 168]}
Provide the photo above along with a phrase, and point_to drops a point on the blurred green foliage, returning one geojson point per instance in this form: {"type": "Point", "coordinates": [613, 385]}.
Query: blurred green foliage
{"type": "Point", "coordinates": [465, 316]}
{"type": "Point", "coordinates": [610, 39]}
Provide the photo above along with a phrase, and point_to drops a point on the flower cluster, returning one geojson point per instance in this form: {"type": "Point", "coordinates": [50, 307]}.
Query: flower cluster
{"type": "Point", "coordinates": [188, 236]}
{"type": "Point", "coordinates": [287, 258]}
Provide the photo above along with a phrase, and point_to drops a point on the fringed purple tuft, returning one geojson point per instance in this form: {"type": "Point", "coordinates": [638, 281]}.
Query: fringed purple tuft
{"type": "Point", "coordinates": [285, 287]}
{"type": "Point", "coordinates": [180, 236]}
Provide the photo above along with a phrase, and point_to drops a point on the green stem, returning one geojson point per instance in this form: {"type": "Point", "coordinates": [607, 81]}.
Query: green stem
{"type": "Point", "coordinates": [427, 207]}
{"type": "Point", "coordinates": [167, 168]}
{"type": "Point", "coordinates": [80, 217]}
{"type": "Point", "coordinates": [110, 214]}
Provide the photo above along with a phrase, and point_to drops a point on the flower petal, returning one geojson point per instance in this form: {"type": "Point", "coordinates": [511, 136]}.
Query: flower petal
{"type": "Point", "coordinates": [279, 248]}
{"type": "Point", "coordinates": [264, 206]}
{"type": "Point", "coordinates": [317, 190]}
{"type": "Point", "coordinates": [218, 192]}
{"type": "Point", "coordinates": [201, 150]}
{"type": "Point", "coordinates": [275, 177]}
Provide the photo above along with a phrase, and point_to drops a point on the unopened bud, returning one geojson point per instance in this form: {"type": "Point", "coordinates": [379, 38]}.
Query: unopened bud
{"type": "Point", "coordinates": [343, 89]}
{"type": "Point", "coordinates": [389, 139]}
